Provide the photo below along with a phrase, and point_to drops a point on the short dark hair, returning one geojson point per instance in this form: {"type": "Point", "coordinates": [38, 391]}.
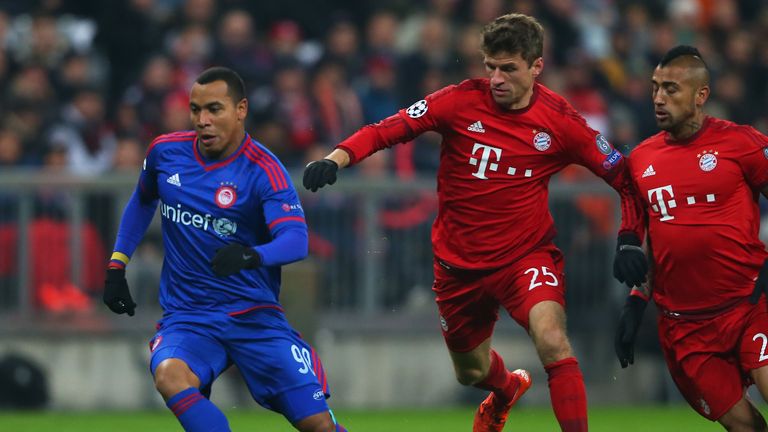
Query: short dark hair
{"type": "Point", "coordinates": [680, 51]}
{"type": "Point", "coordinates": [514, 33]}
{"type": "Point", "coordinates": [235, 85]}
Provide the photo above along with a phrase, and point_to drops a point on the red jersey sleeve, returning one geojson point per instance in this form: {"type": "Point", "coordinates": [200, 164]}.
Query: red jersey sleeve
{"type": "Point", "coordinates": [424, 115]}
{"type": "Point", "coordinates": [589, 148]}
{"type": "Point", "coordinates": [754, 161]}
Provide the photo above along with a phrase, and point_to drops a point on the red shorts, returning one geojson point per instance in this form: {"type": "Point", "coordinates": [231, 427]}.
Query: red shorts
{"type": "Point", "coordinates": [468, 300]}
{"type": "Point", "coordinates": [710, 359]}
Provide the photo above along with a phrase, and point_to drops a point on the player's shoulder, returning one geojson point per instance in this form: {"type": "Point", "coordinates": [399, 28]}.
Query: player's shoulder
{"type": "Point", "coordinates": [165, 141]}
{"type": "Point", "coordinates": [469, 89]}
{"type": "Point", "coordinates": [258, 152]}
{"type": "Point", "coordinates": [265, 166]}
{"type": "Point", "coordinates": [648, 144]}
{"type": "Point", "coordinates": [556, 105]}
{"type": "Point", "coordinates": [472, 85]}
{"type": "Point", "coordinates": [729, 128]}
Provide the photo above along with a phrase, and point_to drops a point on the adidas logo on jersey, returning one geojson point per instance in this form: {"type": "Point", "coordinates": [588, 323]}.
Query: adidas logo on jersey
{"type": "Point", "coordinates": [648, 172]}
{"type": "Point", "coordinates": [476, 127]}
{"type": "Point", "coordinates": [174, 180]}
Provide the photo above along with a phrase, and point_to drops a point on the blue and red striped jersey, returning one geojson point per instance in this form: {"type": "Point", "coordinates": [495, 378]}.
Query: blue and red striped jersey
{"type": "Point", "coordinates": [206, 204]}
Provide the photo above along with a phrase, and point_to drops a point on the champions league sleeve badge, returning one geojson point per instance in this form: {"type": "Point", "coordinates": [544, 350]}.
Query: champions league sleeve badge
{"type": "Point", "coordinates": [417, 110]}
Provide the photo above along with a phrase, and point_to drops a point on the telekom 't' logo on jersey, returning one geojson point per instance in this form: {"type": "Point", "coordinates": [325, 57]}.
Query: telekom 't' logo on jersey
{"type": "Point", "coordinates": [662, 206]}
{"type": "Point", "coordinates": [484, 157]}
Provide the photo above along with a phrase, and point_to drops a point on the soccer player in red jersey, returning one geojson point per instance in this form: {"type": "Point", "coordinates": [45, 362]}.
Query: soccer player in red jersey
{"type": "Point", "coordinates": [503, 138]}
{"type": "Point", "coordinates": [700, 179]}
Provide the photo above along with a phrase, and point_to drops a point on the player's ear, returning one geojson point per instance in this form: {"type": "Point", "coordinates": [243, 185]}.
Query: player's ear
{"type": "Point", "coordinates": [242, 109]}
{"type": "Point", "coordinates": [702, 94]}
{"type": "Point", "coordinates": [537, 66]}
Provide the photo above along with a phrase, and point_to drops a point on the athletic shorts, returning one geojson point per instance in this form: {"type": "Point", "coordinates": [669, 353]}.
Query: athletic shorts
{"type": "Point", "coordinates": [282, 371]}
{"type": "Point", "coordinates": [710, 359]}
{"type": "Point", "coordinates": [468, 300]}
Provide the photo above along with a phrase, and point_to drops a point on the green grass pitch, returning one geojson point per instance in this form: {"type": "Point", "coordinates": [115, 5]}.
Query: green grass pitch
{"type": "Point", "coordinates": [602, 419]}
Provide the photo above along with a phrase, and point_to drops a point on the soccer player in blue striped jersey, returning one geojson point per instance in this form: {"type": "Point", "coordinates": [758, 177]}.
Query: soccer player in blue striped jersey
{"type": "Point", "coordinates": [230, 219]}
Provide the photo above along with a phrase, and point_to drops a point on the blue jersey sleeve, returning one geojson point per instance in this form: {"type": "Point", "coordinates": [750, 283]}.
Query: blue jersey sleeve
{"type": "Point", "coordinates": [284, 216]}
{"type": "Point", "coordinates": [139, 210]}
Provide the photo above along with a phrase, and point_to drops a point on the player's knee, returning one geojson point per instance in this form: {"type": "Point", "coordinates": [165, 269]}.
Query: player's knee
{"type": "Point", "coordinates": [469, 376]}
{"type": "Point", "coordinates": [172, 378]}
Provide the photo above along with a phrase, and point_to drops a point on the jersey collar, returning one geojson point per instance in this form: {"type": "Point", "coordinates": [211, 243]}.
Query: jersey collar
{"type": "Point", "coordinates": [210, 164]}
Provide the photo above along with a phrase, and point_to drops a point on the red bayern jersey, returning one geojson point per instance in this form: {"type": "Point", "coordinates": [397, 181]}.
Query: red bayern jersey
{"type": "Point", "coordinates": [495, 166]}
{"type": "Point", "coordinates": [703, 216]}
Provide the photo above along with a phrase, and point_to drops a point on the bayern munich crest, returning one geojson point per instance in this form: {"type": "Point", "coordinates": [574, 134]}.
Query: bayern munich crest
{"type": "Point", "coordinates": [707, 160]}
{"type": "Point", "coordinates": [417, 110]}
{"type": "Point", "coordinates": [765, 152]}
{"type": "Point", "coordinates": [542, 141]}
{"type": "Point", "coordinates": [226, 196]}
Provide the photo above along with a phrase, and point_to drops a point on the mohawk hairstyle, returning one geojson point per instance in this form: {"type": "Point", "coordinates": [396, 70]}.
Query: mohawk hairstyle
{"type": "Point", "coordinates": [680, 51]}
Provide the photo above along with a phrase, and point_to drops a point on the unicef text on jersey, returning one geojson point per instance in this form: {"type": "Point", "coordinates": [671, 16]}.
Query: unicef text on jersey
{"type": "Point", "coordinates": [221, 226]}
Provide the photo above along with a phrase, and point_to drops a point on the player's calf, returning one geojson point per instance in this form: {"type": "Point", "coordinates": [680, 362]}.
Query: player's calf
{"type": "Point", "coordinates": [743, 417]}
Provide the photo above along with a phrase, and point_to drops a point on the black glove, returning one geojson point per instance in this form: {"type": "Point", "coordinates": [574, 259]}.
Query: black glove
{"type": "Point", "coordinates": [626, 332]}
{"type": "Point", "coordinates": [320, 173]}
{"type": "Point", "coordinates": [117, 296]}
{"type": "Point", "coordinates": [630, 264]}
{"type": "Point", "coordinates": [761, 284]}
{"type": "Point", "coordinates": [234, 257]}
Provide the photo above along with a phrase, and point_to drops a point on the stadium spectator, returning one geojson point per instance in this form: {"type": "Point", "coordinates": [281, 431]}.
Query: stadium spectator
{"type": "Point", "coordinates": [503, 138]}
{"type": "Point", "coordinates": [220, 281]}
{"type": "Point", "coordinates": [148, 96]}
{"type": "Point", "coordinates": [88, 140]}
{"type": "Point", "coordinates": [700, 180]}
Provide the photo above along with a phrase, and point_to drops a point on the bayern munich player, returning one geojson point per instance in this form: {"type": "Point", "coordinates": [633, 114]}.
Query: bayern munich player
{"type": "Point", "coordinates": [503, 138]}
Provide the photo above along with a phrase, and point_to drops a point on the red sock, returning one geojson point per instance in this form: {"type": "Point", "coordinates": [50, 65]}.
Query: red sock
{"type": "Point", "coordinates": [569, 398]}
{"type": "Point", "coordinates": [499, 380]}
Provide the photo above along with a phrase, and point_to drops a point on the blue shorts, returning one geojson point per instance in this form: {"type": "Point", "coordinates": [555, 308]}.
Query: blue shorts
{"type": "Point", "coordinates": [282, 371]}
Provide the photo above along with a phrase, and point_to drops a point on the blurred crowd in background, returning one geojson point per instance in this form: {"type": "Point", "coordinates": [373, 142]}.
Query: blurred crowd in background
{"type": "Point", "coordinates": [86, 85]}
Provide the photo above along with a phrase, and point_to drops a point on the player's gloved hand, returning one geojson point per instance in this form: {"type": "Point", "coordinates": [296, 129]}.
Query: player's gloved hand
{"type": "Point", "coordinates": [761, 284]}
{"type": "Point", "coordinates": [234, 257]}
{"type": "Point", "coordinates": [626, 332]}
{"type": "Point", "coordinates": [630, 265]}
{"type": "Point", "coordinates": [117, 296]}
{"type": "Point", "coordinates": [320, 173]}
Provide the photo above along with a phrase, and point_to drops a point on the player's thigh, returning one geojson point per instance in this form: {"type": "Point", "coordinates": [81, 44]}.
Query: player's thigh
{"type": "Point", "coordinates": [538, 277]}
{"type": "Point", "coordinates": [282, 371]}
{"type": "Point", "coordinates": [753, 349]}
{"type": "Point", "coordinates": [708, 376]}
{"type": "Point", "coordinates": [467, 314]}
{"type": "Point", "coordinates": [203, 354]}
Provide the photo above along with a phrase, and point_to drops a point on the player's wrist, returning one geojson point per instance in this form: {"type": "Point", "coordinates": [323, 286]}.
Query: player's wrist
{"type": "Point", "coordinates": [639, 294]}
{"type": "Point", "coordinates": [118, 260]}
{"type": "Point", "coordinates": [628, 239]}
{"type": "Point", "coordinates": [252, 258]}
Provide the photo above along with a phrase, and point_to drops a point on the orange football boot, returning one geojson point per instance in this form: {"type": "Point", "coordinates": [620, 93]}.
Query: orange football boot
{"type": "Point", "coordinates": [492, 413]}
